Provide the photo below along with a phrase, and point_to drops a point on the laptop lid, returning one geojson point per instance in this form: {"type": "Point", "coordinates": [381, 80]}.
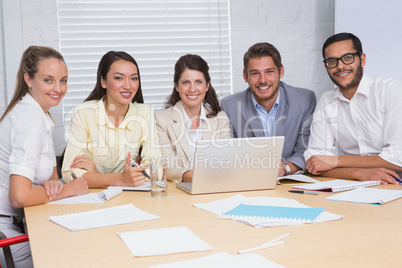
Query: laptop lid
{"type": "Point", "coordinates": [241, 164]}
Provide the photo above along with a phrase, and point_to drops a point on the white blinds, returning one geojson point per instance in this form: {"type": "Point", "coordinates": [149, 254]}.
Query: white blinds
{"type": "Point", "coordinates": [155, 33]}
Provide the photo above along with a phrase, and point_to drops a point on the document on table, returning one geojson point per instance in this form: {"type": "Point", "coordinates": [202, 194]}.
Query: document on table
{"type": "Point", "coordinates": [221, 206]}
{"type": "Point", "coordinates": [272, 213]}
{"type": "Point", "coordinates": [100, 197]}
{"type": "Point", "coordinates": [296, 179]}
{"type": "Point", "coordinates": [145, 187]}
{"type": "Point", "coordinates": [223, 259]}
{"type": "Point", "coordinates": [336, 185]}
{"type": "Point", "coordinates": [163, 241]}
{"type": "Point", "coordinates": [102, 217]}
{"type": "Point", "coordinates": [367, 196]}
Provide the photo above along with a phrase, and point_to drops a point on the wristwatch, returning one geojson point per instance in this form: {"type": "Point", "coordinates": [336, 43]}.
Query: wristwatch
{"type": "Point", "coordinates": [287, 168]}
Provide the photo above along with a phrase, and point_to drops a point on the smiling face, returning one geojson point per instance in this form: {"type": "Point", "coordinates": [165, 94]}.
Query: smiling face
{"type": "Point", "coordinates": [263, 77]}
{"type": "Point", "coordinates": [192, 88]}
{"type": "Point", "coordinates": [346, 77]}
{"type": "Point", "coordinates": [121, 83]}
{"type": "Point", "coordinates": [49, 85]}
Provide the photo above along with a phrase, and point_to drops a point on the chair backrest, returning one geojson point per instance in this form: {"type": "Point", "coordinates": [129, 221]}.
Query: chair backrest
{"type": "Point", "coordinates": [5, 244]}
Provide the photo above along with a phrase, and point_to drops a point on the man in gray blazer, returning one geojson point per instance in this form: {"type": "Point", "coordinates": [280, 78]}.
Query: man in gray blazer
{"type": "Point", "coordinates": [269, 107]}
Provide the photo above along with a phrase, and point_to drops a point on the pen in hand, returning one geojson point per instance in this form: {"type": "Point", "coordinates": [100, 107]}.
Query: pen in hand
{"type": "Point", "coordinates": [133, 163]}
{"type": "Point", "coordinates": [398, 180]}
{"type": "Point", "coordinates": [73, 175]}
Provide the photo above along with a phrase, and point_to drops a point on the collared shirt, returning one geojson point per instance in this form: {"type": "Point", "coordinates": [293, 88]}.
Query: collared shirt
{"type": "Point", "coordinates": [94, 135]}
{"type": "Point", "coordinates": [267, 118]}
{"type": "Point", "coordinates": [26, 148]}
{"type": "Point", "coordinates": [193, 136]}
{"type": "Point", "coordinates": [367, 124]}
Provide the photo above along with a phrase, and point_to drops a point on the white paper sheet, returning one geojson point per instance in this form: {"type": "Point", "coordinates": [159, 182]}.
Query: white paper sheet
{"type": "Point", "coordinates": [221, 206]}
{"type": "Point", "coordinates": [145, 187]}
{"type": "Point", "coordinates": [100, 197]}
{"type": "Point", "coordinates": [296, 179]}
{"type": "Point", "coordinates": [367, 196]}
{"type": "Point", "coordinates": [102, 217]}
{"type": "Point", "coordinates": [223, 260]}
{"type": "Point", "coordinates": [163, 241]}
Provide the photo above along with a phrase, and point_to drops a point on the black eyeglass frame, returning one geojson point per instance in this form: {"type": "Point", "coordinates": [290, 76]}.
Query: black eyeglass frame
{"type": "Point", "coordinates": [358, 53]}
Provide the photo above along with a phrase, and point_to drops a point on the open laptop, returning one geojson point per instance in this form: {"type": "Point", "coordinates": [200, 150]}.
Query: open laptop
{"type": "Point", "coordinates": [235, 165]}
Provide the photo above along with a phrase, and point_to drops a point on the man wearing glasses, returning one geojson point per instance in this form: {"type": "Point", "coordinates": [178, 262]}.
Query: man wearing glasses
{"type": "Point", "coordinates": [361, 116]}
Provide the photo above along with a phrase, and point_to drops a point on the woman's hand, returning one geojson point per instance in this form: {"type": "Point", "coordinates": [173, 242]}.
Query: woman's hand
{"type": "Point", "coordinates": [187, 176]}
{"type": "Point", "coordinates": [84, 162]}
{"type": "Point", "coordinates": [78, 186]}
{"type": "Point", "coordinates": [132, 176]}
{"type": "Point", "coordinates": [52, 188]}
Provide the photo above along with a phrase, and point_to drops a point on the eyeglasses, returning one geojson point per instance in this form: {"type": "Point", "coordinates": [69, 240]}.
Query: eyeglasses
{"type": "Point", "coordinates": [347, 59]}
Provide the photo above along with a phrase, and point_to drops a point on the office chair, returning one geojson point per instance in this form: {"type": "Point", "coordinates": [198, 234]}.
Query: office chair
{"type": "Point", "coordinates": [5, 244]}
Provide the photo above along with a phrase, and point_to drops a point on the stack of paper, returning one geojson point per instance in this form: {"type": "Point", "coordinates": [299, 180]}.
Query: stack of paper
{"type": "Point", "coordinates": [272, 213]}
{"type": "Point", "coordinates": [220, 207]}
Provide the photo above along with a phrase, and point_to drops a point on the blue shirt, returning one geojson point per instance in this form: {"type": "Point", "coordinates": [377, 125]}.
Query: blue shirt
{"type": "Point", "coordinates": [267, 118]}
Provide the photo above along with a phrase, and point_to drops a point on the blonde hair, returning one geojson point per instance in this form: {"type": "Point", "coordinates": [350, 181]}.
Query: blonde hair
{"type": "Point", "coordinates": [29, 65]}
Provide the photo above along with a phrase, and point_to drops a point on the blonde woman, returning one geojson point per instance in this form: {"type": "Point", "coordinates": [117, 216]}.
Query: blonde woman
{"type": "Point", "coordinates": [28, 173]}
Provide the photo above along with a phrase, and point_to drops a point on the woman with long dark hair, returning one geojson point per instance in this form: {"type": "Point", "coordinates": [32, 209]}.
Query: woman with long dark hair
{"type": "Point", "coordinates": [111, 126]}
{"type": "Point", "coordinates": [192, 113]}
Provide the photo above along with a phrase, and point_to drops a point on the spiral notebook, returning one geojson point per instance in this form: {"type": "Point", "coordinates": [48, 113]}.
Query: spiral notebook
{"type": "Point", "coordinates": [336, 185]}
{"type": "Point", "coordinates": [367, 196]}
{"type": "Point", "coordinates": [300, 215]}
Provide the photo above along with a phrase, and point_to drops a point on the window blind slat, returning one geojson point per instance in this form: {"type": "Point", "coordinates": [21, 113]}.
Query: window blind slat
{"type": "Point", "coordinates": [156, 33]}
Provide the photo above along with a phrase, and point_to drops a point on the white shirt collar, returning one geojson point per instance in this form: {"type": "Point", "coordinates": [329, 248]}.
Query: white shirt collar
{"type": "Point", "coordinates": [187, 120]}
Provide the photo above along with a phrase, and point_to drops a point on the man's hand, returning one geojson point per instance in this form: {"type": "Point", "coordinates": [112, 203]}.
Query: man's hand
{"type": "Point", "coordinates": [318, 163]}
{"type": "Point", "coordinates": [386, 176]}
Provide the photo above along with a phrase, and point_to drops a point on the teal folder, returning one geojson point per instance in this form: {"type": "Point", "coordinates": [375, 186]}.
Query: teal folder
{"type": "Point", "coordinates": [273, 213]}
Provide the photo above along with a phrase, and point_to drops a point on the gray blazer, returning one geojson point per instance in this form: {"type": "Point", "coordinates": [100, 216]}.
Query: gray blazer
{"type": "Point", "coordinates": [293, 119]}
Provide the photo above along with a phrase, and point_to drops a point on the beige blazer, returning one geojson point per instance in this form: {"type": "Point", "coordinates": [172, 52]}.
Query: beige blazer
{"type": "Point", "coordinates": [173, 138]}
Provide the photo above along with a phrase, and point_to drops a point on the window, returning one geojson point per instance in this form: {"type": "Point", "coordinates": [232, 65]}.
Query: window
{"type": "Point", "coordinates": [155, 33]}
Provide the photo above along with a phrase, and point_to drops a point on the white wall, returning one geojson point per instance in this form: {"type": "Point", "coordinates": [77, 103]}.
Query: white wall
{"type": "Point", "coordinates": [40, 27]}
{"type": "Point", "coordinates": [3, 91]}
{"type": "Point", "coordinates": [296, 27]}
{"type": "Point", "coordinates": [378, 26]}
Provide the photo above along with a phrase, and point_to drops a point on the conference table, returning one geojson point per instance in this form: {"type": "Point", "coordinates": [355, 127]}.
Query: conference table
{"type": "Point", "coordinates": [367, 236]}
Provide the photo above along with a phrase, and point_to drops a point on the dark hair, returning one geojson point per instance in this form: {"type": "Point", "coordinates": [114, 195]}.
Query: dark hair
{"type": "Point", "coordinates": [357, 45]}
{"type": "Point", "coordinates": [260, 50]}
{"type": "Point", "coordinates": [103, 68]}
{"type": "Point", "coordinates": [194, 62]}
{"type": "Point", "coordinates": [29, 65]}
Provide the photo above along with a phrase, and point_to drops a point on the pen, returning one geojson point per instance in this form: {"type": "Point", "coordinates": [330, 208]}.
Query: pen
{"type": "Point", "coordinates": [303, 192]}
{"type": "Point", "coordinates": [133, 163]}
{"type": "Point", "coordinates": [73, 175]}
{"type": "Point", "coordinates": [398, 180]}
{"type": "Point", "coordinates": [268, 244]}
